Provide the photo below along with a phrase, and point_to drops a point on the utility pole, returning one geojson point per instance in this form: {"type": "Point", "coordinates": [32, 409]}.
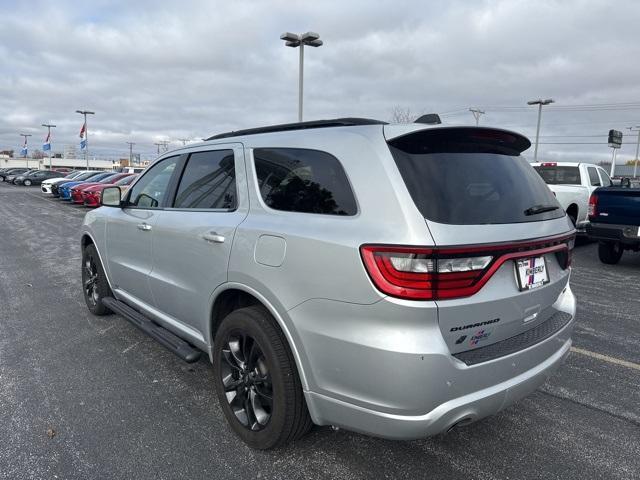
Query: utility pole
{"type": "Point", "coordinates": [476, 114]}
{"type": "Point", "coordinates": [158, 145]}
{"type": "Point", "coordinates": [26, 135]}
{"type": "Point", "coordinates": [49, 127]}
{"type": "Point", "coordinates": [294, 40]}
{"type": "Point", "coordinates": [131, 144]}
{"type": "Point", "coordinates": [635, 163]}
{"type": "Point", "coordinates": [183, 140]}
{"type": "Point", "coordinates": [540, 103]}
{"type": "Point", "coordinates": [86, 133]}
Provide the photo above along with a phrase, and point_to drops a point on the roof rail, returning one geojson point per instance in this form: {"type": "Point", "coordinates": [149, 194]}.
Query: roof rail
{"type": "Point", "coordinates": [285, 127]}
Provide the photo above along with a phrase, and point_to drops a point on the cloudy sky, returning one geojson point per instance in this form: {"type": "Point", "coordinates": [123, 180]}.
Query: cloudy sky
{"type": "Point", "coordinates": [162, 70]}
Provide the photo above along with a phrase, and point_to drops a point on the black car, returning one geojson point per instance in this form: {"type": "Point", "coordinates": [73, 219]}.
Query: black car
{"type": "Point", "coordinates": [36, 177]}
{"type": "Point", "coordinates": [12, 172]}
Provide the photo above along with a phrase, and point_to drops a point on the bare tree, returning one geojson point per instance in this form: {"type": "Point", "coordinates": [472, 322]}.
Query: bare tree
{"type": "Point", "coordinates": [402, 115]}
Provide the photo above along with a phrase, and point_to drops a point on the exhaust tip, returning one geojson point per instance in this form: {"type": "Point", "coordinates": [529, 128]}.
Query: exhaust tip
{"type": "Point", "coordinates": [460, 423]}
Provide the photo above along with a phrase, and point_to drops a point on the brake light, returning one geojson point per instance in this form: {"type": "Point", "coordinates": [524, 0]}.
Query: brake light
{"type": "Point", "coordinates": [593, 205]}
{"type": "Point", "coordinates": [550, 164]}
{"type": "Point", "coordinates": [417, 273]}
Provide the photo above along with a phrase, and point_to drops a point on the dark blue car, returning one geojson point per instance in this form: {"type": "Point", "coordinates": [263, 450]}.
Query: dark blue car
{"type": "Point", "coordinates": [64, 189]}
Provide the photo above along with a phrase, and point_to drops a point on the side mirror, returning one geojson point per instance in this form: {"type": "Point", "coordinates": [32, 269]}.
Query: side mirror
{"type": "Point", "coordinates": [110, 197]}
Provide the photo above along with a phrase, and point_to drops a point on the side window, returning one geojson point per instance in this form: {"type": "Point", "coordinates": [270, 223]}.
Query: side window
{"type": "Point", "coordinates": [150, 191]}
{"type": "Point", "coordinates": [301, 180]}
{"type": "Point", "coordinates": [593, 176]}
{"type": "Point", "coordinates": [606, 180]}
{"type": "Point", "coordinates": [208, 181]}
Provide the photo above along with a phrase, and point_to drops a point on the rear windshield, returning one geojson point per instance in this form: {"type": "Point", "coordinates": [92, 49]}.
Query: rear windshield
{"type": "Point", "coordinates": [467, 184]}
{"type": "Point", "coordinates": [559, 175]}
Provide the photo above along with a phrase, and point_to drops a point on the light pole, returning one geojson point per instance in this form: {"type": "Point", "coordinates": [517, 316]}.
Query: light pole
{"type": "Point", "coordinates": [476, 114]}
{"type": "Point", "coordinates": [635, 163]}
{"type": "Point", "coordinates": [540, 103]}
{"type": "Point", "coordinates": [294, 40]}
{"type": "Point", "coordinates": [86, 134]}
{"type": "Point", "coordinates": [26, 135]}
{"type": "Point", "coordinates": [131, 144]}
{"type": "Point", "coordinates": [49, 127]}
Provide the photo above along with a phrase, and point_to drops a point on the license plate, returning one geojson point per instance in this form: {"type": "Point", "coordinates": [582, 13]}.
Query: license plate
{"type": "Point", "coordinates": [531, 273]}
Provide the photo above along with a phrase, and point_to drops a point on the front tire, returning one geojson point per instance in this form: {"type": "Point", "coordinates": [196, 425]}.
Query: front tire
{"type": "Point", "coordinates": [94, 282]}
{"type": "Point", "coordinates": [257, 380]}
{"type": "Point", "coordinates": [610, 252]}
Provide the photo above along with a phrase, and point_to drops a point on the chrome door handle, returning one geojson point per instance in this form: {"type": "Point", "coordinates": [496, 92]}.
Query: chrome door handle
{"type": "Point", "coordinates": [213, 237]}
{"type": "Point", "coordinates": [144, 226]}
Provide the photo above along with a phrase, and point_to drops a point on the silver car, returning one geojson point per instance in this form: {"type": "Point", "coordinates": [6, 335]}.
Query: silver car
{"type": "Point", "coordinates": [394, 280]}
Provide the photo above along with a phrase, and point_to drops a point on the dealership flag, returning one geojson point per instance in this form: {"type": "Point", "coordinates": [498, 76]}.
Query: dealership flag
{"type": "Point", "coordinates": [83, 136]}
{"type": "Point", "coordinates": [47, 143]}
{"type": "Point", "coordinates": [23, 152]}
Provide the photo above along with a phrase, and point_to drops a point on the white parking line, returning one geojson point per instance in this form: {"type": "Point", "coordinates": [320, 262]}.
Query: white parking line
{"type": "Point", "coordinates": [606, 358]}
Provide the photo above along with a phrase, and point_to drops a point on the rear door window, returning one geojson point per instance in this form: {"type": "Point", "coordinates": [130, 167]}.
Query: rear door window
{"type": "Point", "coordinates": [302, 180]}
{"type": "Point", "coordinates": [594, 179]}
{"type": "Point", "coordinates": [461, 178]}
{"type": "Point", "coordinates": [556, 175]}
{"type": "Point", "coordinates": [606, 180]}
{"type": "Point", "coordinates": [208, 181]}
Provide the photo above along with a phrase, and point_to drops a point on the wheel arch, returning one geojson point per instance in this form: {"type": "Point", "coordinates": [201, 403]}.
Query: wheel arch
{"type": "Point", "coordinates": [230, 297]}
{"type": "Point", "coordinates": [572, 210]}
{"type": "Point", "coordinates": [87, 239]}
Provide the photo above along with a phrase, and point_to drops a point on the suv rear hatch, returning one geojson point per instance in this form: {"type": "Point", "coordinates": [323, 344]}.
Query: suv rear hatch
{"type": "Point", "coordinates": [502, 242]}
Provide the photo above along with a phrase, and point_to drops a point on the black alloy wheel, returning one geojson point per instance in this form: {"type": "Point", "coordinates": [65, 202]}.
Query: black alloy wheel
{"type": "Point", "coordinates": [94, 281]}
{"type": "Point", "coordinates": [246, 380]}
{"type": "Point", "coordinates": [257, 380]}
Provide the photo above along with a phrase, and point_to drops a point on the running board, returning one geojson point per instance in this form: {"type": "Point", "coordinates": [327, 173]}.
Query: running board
{"type": "Point", "coordinates": [174, 343]}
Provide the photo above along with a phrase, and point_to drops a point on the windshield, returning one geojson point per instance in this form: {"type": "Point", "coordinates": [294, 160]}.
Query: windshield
{"type": "Point", "coordinates": [554, 175]}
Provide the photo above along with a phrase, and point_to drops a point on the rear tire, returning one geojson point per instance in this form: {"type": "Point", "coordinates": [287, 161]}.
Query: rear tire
{"type": "Point", "coordinates": [94, 282]}
{"type": "Point", "coordinates": [610, 252]}
{"type": "Point", "coordinates": [257, 381]}
{"type": "Point", "coordinates": [27, 183]}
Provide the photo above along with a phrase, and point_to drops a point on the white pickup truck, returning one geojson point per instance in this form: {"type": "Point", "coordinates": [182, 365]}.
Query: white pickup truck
{"type": "Point", "coordinates": [572, 184]}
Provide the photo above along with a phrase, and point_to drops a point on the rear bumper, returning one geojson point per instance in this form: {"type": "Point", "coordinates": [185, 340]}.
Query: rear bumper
{"type": "Point", "coordinates": [385, 370]}
{"type": "Point", "coordinates": [626, 234]}
{"type": "Point", "coordinates": [461, 410]}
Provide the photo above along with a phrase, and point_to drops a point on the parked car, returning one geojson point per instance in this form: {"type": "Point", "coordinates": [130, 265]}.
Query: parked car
{"type": "Point", "coordinates": [572, 184]}
{"type": "Point", "coordinates": [36, 177]}
{"type": "Point", "coordinates": [47, 185]}
{"type": "Point", "coordinates": [395, 280]}
{"type": "Point", "coordinates": [614, 214]}
{"type": "Point", "coordinates": [76, 192]}
{"type": "Point", "coordinates": [11, 173]}
{"type": "Point", "coordinates": [64, 189]}
{"type": "Point", "coordinates": [91, 195]}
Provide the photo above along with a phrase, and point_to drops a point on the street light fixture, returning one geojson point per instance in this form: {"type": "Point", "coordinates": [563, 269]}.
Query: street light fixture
{"type": "Point", "coordinates": [86, 134]}
{"type": "Point", "coordinates": [295, 40]}
{"type": "Point", "coordinates": [540, 103]}
{"type": "Point", "coordinates": [49, 127]}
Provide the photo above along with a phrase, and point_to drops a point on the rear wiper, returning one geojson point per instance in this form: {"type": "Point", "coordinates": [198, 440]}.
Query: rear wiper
{"type": "Point", "coordinates": [540, 209]}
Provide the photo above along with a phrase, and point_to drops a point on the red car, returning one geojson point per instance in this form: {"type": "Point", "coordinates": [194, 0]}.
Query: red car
{"type": "Point", "coordinates": [76, 192]}
{"type": "Point", "coordinates": [91, 195]}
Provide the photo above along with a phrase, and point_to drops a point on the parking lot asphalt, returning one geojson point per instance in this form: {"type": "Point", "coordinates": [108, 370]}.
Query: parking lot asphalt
{"type": "Point", "coordinates": [93, 397]}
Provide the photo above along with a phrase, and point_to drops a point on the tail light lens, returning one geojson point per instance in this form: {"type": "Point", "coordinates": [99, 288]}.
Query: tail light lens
{"type": "Point", "coordinates": [416, 273]}
{"type": "Point", "coordinates": [593, 205]}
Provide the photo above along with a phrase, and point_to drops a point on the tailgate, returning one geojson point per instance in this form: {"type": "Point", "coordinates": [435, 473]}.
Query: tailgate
{"type": "Point", "coordinates": [618, 206]}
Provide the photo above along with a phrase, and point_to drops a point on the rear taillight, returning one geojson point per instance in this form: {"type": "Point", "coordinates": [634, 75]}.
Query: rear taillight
{"type": "Point", "coordinates": [593, 205]}
{"type": "Point", "coordinates": [420, 274]}
{"type": "Point", "coordinates": [416, 273]}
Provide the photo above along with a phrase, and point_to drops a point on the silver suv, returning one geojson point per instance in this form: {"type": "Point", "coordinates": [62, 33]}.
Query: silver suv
{"type": "Point", "coordinates": [395, 280]}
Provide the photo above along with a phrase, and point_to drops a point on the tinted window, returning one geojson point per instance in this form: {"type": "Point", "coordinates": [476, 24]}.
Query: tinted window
{"type": "Point", "coordinates": [606, 180]}
{"type": "Point", "coordinates": [559, 175]}
{"type": "Point", "coordinates": [150, 191]}
{"type": "Point", "coordinates": [126, 180]}
{"type": "Point", "coordinates": [85, 176]}
{"type": "Point", "coordinates": [474, 188]}
{"type": "Point", "coordinates": [208, 181]}
{"type": "Point", "coordinates": [300, 180]}
{"type": "Point", "coordinates": [594, 179]}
